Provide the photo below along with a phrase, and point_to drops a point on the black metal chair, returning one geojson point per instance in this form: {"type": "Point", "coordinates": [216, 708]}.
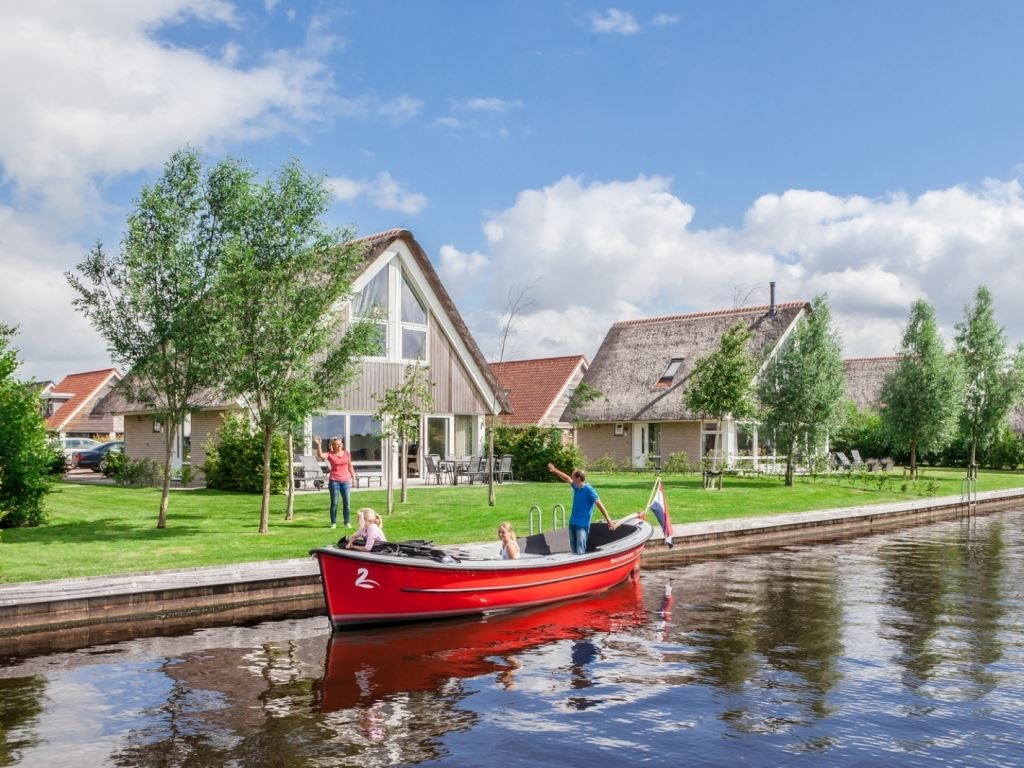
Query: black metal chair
{"type": "Point", "coordinates": [504, 469]}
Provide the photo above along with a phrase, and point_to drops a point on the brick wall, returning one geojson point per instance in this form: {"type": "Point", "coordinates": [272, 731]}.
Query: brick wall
{"type": "Point", "coordinates": [599, 439]}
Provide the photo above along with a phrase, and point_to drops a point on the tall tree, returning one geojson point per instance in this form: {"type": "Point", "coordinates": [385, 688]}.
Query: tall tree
{"type": "Point", "coordinates": [399, 410]}
{"type": "Point", "coordinates": [150, 301]}
{"type": "Point", "coordinates": [924, 394]}
{"type": "Point", "coordinates": [801, 389]}
{"type": "Point", "coordinates": [993, 381]}
{"type": "Point", "coordinates": [25, 457]}
{"type": "Point", "coordinates": [722, 382]}
{"type": "Point", "coordinates": [282, 286]}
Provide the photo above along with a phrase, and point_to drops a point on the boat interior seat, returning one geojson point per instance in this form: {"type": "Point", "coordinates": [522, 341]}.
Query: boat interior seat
{"type": "Point", "coordinates": [554, 542]}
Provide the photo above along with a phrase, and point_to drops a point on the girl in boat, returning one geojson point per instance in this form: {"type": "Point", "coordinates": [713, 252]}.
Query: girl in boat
{"type": "Point", "coordinates": [509, 545]}
{"type": "Point", "coordinates": [370, 530]}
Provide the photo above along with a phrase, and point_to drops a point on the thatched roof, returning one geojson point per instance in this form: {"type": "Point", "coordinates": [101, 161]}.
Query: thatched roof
{"type": "Point", "coordinates": [864, 378]}
{"type": "Point", "coordinates": [636, 353]}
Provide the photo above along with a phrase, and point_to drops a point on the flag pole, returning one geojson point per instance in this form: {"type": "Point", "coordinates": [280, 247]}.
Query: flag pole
{"type": "Point", "coordinates": [654, 490]}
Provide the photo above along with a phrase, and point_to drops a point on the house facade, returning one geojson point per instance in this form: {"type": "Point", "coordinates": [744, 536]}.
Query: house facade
{"type": "Point", "coordinates": [69, 405]}
{"type": "Point", "coordinates": [864, 377]}
{"type": "Point", "coordinates": [418, 324]}
{"type": "Point", "coordinates": [642, 369]}
{"type": "Point", "coordinates": [539, 390]}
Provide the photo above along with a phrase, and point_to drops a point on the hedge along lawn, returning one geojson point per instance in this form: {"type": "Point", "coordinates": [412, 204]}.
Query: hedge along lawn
{"type": "Point", "coordinates": [96, 530]}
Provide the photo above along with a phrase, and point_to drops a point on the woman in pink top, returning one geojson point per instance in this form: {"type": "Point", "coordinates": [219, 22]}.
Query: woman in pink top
{"type": "Point", "coordinates": [370, 530]}
{"type": "Point", "coordinates": [340, 477]}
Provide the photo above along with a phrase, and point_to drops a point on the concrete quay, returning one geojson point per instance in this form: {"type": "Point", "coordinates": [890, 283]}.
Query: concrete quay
{"type": "Point", "coordinates": [275, 588]}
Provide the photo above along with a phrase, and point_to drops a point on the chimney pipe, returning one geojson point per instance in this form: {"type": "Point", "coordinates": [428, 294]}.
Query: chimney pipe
{"type": "Point", "coordinates": [771, 308]}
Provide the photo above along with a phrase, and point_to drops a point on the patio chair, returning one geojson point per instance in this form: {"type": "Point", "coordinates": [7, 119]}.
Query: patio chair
{"type": "Point", "coordinates": [842, 462]}
{"type": "Point", "coordinates": [504, 469]}
{"type": "Point", "coordinates": [309, 473]}
{"type": "Point", "coordinates": [434, 468]}
{"type": "Point", "coordinates": [472, 471]}
{"type": "Point", "coordinates": [858, 462]}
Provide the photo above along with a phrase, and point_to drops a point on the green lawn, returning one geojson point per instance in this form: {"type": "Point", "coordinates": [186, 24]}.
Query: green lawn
{"type": "Point", "coordinates": [103, 530]}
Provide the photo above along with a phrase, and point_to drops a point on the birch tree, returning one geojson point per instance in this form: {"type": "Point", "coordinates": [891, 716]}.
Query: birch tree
{"type": "Point", "coordinates": [924, 394]}
{"type": "Point", "coordinates": [801, 389]}
{"type": "Point", "coordinates": [993, 379]}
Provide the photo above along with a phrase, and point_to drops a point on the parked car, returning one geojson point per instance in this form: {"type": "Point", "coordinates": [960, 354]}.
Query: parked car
{"type": "Point", "coordinates": [91, 459]}
{"type": "Point", "coordinates": [73, 445]}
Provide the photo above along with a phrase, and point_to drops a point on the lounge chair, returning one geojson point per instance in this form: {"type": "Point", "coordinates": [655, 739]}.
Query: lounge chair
{"type": "Point", "coordinates": [842, 462]}
{"type": "Point", "coordinates": [857, 461]}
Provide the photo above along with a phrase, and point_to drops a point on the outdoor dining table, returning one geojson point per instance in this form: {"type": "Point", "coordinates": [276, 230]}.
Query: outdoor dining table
{"type": "Point", "coordinates": [453, 467]}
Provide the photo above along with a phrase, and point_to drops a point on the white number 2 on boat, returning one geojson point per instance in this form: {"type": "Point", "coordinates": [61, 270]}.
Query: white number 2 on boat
{"type": "Point", "coordinates": [363, 581]}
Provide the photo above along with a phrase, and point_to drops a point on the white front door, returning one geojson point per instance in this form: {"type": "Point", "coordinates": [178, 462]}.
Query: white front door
{"type": "Point", "coordinates": [639, 443]}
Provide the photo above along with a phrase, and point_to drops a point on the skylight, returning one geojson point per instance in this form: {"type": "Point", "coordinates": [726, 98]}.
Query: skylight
{"type": "Point", "coordinates": [670, 372]}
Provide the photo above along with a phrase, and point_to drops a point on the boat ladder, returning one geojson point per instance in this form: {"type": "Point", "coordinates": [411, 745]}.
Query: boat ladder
{"type": "Point", "coordinates": [537, 518]}
{"type": "Point", "coordinates": [969, 493]}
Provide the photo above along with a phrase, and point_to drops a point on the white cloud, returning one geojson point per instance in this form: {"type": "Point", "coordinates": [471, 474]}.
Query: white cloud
{"type": "Point", "coordinates": [664, 20]}
{"type": "Point", "coordinates": [488, 104]}
{"type": "Point", "coordinates": [53, 339]}
{"type": "Point", "coordinates": [400, 109]}
{"type": "Point", "coordinates": [269, 5]}
{"type": "Point", "coordinates": [368, 105]}
{"type": "Point", "coordinates": [98, 95]}
{"type": "Point", "coordinates": [448, 122]}
{"type": "Point", "coordinates": [621, 249]}
{"type": "Point", "coordinates": [384, 192]}
{"type": "Point", "coordinates": [458, 266]}
{"type": "Point", "coordinates": [614, 21]}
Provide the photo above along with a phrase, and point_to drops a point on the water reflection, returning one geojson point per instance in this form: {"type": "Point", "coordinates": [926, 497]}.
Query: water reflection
{"type": "Point", "coordinates": [901, 649]}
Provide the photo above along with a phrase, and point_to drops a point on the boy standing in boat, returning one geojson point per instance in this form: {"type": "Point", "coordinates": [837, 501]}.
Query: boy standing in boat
{"type": "Point", "coordinates": [584, 498]}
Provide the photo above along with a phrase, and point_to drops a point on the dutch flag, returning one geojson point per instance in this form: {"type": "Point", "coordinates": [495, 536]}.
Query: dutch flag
{"type": "Point", "coordinates": [659, 506]}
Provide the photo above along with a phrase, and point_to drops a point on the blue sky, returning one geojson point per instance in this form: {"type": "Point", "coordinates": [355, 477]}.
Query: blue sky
{"type": "Point", "coordinates": [621, 161]}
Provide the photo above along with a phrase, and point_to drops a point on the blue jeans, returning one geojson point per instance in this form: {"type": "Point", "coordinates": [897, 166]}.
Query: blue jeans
{"type": "Point", "coordinates": [578, 539]}
{"type": "Point", "coordinates": [339, 487]}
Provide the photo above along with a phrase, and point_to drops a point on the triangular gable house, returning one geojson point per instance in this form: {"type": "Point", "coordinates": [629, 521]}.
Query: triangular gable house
{"type": "Point", "coordinates": [539, 390]}
{"type": "Point", "coordinates": [642, 369]}
{"type": "Point", "coordinates": [419, 323]}
{"type": "Point", "coordinates": [68, 405]}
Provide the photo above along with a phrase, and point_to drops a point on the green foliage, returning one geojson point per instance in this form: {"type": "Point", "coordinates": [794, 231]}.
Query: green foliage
{"type": "Point", "coordinates": [1006, 450]}
{"type": "Point", "coordinates": [151, 301]}
{"type": "Point", "coordinates": [234, 458]}
{"type": "Point", "coordinates": [281, 283]}
{"type": "Point", "coordinates": [533, 448]}
{"type": "Point", "coordinates": [923, 396]}
{"type": "Point", "coordinates": [993, 381]}
{"type": "Point", "coordinates": [26, 456]}
{"type": "Point", "coordinates": [863, 430]}
{"type": "Point", "coordinates": [677, 464]}
{"type": "Point", "coordinates": [603, 464]}
{"type": "Point", "coordinates": [399, 408]}
{"type": "Point", "coordinates": [801, 391]}
{"type": "Point", "coordinates": [581, 397]}
{"type": "Point", "coordinates": [721, 381]}
{"type": "Point", "coordinates": [113, 463]}
{"type": "Point", "coordinates": [136, 473]}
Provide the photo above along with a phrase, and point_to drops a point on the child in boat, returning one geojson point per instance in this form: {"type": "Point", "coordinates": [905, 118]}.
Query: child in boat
{"type": "Point", "coordinates": [369, 529]}
{"type": "Point", "coordinates": [509, 545]}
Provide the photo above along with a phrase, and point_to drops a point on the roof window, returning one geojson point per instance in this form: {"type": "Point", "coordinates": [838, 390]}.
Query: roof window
{"type": "Point", "coordinates": [670, 372]}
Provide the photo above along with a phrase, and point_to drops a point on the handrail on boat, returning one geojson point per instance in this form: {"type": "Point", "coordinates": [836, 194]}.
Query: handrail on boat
{"type": "Point", "coordinates": [540, 518]}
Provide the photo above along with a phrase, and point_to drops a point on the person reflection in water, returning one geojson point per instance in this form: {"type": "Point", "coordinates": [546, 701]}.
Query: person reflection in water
{"type": "Point", "coordinates": [371, 722]}
{"type": "Point", "coordinates": [507, 676]}
{"type": "Point", "coordinates": [584, 653]}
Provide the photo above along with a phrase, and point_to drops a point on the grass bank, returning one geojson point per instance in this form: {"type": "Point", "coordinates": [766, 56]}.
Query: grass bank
{"type": "Point", "coordinates": [97, 530]}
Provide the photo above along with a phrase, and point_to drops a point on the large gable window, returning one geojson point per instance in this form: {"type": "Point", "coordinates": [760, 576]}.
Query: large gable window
{"type": "Point", "coordinates": [372, 302]}
{"type": "Point", "coordinates": [670, 372]}
{"type": "Point", "coordinates": [414, 323]}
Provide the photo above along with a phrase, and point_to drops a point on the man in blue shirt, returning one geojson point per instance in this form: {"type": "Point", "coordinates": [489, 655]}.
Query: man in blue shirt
{"type": "Point", "coordinates": [584, 497]}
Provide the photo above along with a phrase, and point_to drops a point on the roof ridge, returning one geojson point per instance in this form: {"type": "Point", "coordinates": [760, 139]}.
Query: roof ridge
{"type": "Point", "coordinates": [89, 373]}
{"type": "Point", "coordinates": [865, 359]}
{"type": "Point", "coordinates": [712, 313]}
{"type": "Point", "coordinates": [540, 359]}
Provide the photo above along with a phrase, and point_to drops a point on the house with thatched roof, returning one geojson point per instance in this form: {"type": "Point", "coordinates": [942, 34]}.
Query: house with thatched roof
{"type": "Point", "coordinates": [642, 370]}
{"type": "Point", "coordinates": [419, 323]}
{"type": "Point", "coordinates": [864, 377]}
{"type": "Point", "coordinates": [538, 390]}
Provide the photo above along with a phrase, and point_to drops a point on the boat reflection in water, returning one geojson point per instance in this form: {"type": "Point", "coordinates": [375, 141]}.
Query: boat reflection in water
{"type": "Point", "coordinates": [368, 666]}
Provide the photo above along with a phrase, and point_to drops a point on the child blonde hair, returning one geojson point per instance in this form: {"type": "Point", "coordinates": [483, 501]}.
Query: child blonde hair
{"type": "Point", "coordinates": [368, 516]}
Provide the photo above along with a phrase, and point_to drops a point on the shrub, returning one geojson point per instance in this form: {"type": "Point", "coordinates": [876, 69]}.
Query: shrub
{"type": "Point", "coordinates": [234, 459]}
{"type": "Point", "coordinates": [677, 463]}
{"type": "Point", "coordinates": [533, 448]}
{"type": "Point", "coordinates": [137, 473]}
{"type": "Point", "coordinates": [604, 464]}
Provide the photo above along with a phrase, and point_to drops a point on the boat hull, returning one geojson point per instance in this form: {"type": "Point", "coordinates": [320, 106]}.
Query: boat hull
{"type": "Point", "coordinates": [369, 588]}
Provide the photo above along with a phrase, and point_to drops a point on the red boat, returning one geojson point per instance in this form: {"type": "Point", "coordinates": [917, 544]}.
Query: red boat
{"type": "Point", "coordinates": [365, 666]}
{"type": "Point", "coordinates": [410, 581]}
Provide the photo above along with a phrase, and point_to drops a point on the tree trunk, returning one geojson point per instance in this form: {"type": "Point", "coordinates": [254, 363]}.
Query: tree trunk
{"type": "Point", "coordinates": [719, 467]}
{"type": "Point", "coordinates": [289, 510]}
{"type": "Point", "coordinates": [790, 468]}
{"type": "Point", "coordinates": [913, 459]}
{"type": "Point", "coordinates": [390, 506]}
{"type": "Point", "coordinates": [972, 468]}
{"type": "Point", "coordinates": [491, 498]}
{"type": "Point", "coordinates": [268, 435]}
{"type": "Point", "coordinates": [405, 469]}
{"type": "Point", "coordinates": [165, 493]}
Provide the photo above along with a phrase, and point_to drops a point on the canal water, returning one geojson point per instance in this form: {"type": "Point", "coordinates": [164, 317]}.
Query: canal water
{"type": "Point", "coordinates": [896, 649]}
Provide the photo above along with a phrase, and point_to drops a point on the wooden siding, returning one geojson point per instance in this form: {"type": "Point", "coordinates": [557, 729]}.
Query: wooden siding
{"type": "Point", "coordinates": [453, 389]}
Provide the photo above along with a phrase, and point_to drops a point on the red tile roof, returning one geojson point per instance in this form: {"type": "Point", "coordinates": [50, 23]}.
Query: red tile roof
{"type": "Point", "coordinates": [82, 387]}
{"type": "Point", "coordinates": [534, 386]}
